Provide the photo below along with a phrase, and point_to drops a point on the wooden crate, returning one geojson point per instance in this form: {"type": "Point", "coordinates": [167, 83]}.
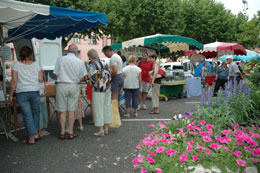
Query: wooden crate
{"type": "Point", "coordinates": [50, 90]}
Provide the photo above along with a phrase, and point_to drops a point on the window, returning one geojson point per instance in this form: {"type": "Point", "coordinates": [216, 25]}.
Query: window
{"type": "Point", "coordinates": [92, 40]}
{"type": "Point", "coordinates": [75, 39]}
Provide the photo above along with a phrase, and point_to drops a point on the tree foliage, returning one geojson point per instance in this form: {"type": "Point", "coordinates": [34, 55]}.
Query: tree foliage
{"type": "Point", "coordinates": [203, 20]}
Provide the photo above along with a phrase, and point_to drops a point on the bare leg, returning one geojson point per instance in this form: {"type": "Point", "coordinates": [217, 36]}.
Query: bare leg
{"type": "Point", "coordinates": [67, 124]}
{"type": "Point", "coordinates": [127, 111]}
{"type": "Point", "coordinates": [71, 121]}
{"type": "Point", "coordinates": [140, 98]}
{"type": "Point", "coordinates": [80, 123]}
{"type": "Point", "coordinates": [114, 96]}
{"type": "Point", "coordinates": [63, 117]}
{"type": "Point", "coordinates": [144, 97]}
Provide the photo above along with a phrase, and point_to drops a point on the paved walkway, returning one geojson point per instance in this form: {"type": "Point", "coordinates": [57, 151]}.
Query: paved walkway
{"type": "Point", "coordinates": [87, 153]}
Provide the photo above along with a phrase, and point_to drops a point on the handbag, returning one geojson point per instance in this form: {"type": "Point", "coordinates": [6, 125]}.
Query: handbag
{"type": "Point", "coordinates": [116, 120]}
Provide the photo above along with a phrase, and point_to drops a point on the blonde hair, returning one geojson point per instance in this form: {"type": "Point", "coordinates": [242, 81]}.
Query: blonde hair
{"type": "Point", "coordinates": [92, 54]}
{"type": "Point", "coordinates": [132, 59]}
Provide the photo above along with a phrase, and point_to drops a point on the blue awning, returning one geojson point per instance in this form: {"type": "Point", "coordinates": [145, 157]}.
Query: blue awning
{"type": "Point", "coordinates": [29, 20]}
{"type": "Point", "coordinates": [250, 55]}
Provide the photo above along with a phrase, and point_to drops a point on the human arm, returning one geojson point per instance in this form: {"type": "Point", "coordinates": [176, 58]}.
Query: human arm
{"type": "Point", "coordinates": [13, 85]}
{"type": "Point", "coordinates": [114, 70]}
{"type": "Point", "coordinates": [155, 72]}
{"type": "Point", "coordinates": [40, 76]}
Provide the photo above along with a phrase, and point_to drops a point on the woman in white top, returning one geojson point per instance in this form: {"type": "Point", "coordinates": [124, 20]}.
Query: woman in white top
{"type": "Point", "coordinates": [26, 76]}
{"type": "Point", "coordinates": [132, 82]}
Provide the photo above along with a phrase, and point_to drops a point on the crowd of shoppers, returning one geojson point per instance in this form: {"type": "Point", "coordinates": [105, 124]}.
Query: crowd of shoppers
{"type": "Point", "coordinates": [104, 83]}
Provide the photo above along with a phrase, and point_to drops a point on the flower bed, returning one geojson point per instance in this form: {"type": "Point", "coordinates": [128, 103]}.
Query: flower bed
{"type": "Point", "coordinates": [198, 143]}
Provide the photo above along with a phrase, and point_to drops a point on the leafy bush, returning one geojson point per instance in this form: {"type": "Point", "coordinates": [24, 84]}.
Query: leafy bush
{"type": "Point", "coordinates": [197, 143]}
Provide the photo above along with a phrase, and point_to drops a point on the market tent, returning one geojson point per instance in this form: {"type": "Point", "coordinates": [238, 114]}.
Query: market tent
{"type": "Point", "coordinates": [28, 20]}
{"type": "Point", "coordinates": [217, 49]}
{"type": "Point", "coordinates": [161, 43]}
{"type": "Point", "coordinates": [250, 55]}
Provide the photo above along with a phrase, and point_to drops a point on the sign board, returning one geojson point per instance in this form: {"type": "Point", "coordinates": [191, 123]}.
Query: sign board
{"type": "Point", "coordinates": [137, 51]}
{"type": "Point", "coordinates": [5, 53]}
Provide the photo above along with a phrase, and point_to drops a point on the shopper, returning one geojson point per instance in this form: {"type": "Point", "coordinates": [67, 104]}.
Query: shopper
{"type": "Point", "coordinates": [116, 66]}
{"type": "Point", "coordinates": [222, 75]}
{"type": "Point", "coordinates": [26, 76]}
{"type": "Point", "coordinates": [100, 80]}
{"type": "Point", "coordinates": [146, 66]}
{"type": "Point", "coordinates": [132, 82]}
{"type": "Point", "coordinates": [69, 71]}
{"type": "Point", "coordinates": [155, 81]}
{"type": "Point", "coordinates": [234, 73]}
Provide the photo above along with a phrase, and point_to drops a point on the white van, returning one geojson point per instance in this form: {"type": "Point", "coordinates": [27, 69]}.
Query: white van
{"type": "Point", "coordinates": [185, 65]}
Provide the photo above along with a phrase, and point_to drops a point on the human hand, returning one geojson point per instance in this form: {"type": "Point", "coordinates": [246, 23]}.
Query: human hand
{"type": "Point", "coordinates": [10, 100]}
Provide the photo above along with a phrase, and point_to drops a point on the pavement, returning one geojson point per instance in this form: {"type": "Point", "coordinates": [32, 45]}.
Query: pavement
{"type": "Point", "coordinates": [87, 153]}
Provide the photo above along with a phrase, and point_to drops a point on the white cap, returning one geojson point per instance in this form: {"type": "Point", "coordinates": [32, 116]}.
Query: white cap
{"type": "Point", "coordinates": [229, 57]}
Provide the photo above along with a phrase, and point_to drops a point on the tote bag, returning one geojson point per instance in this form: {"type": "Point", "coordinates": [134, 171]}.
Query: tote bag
{"type": "Point", "coordinates": [116, 121]}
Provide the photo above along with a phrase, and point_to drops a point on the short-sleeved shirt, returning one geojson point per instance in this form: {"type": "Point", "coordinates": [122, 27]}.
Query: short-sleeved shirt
{"type": "Point", "coordinates": [70, 69]}
{"type": "Point", "coordinates": [116, 60]}
{"type": "Point", "coordinates": [131, 73]}
{"type": "Point", "coordinates": [28, 76]}
{"type": "Point", "coordinates": [146, 67]}
{"type": "Point", "coordinates": [222, 73]}
{"type": "Point", "coordinates": [233, 69]}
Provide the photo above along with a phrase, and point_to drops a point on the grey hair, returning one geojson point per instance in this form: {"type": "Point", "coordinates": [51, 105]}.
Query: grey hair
{"type": "Point", "coordinates": [73, 48]}
{"type": "Point", "coordinates": [92, 54]}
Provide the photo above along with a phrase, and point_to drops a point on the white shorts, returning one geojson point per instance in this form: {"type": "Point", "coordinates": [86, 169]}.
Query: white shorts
{"type": "Point", "coordinates": [144, 87]}
{"type": "Point", "coordinates": [67, 97]}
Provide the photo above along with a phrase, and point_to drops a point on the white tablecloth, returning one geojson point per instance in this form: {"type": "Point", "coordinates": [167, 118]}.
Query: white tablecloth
{"type": "Point", "coordinates": [193, 86]}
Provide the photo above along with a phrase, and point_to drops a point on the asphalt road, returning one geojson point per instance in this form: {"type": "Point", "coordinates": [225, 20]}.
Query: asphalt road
{"type": "Point", "coordinates": [87, 153]}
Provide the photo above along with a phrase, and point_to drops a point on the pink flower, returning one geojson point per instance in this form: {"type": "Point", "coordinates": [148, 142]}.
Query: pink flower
{"type": "Point", "coordinates": [138, 159]}
{"type": "Point", "coordinates": [150, 160]}
{"type": "Point", "coordinates": [165, 135]}
{"type": "Point", "coordinates": [202, 122]}
{"type": "Point", "coordinates": [154, 142]}
{"type": "Point", "coordinates": [224, 139]}
{"type": "Point", "coordinates": [254, 160]}
{"type": "Point", "coordinates": [207, 139]}
{"type": "Point", "coordinates": [235, 125]}
{"type": "Point", "coordinates": [152, 124]}
{"type": "Point", "coordinates": [170, 152]}
{"type": "Point", "coordinates": [159, 150]}
{"type": "Point", "coordinates": [183, 157]}
{"type": "Point", "coordinates": [202, 133]}
{"type": "Point", "coordinates": [189, 149]}
{"type": "Point", "coordinates": [252, 142]}
{"type": "Point", "coordinates": [210, 132]}
{"type": "Point", "coordinates": [194, 158]}
{"type": "Point", "coordinates": [214, 146]}
{"type": "Point", "coordinates": [241, 162]}
{"type": "Point", "coordinates": [162, 126]}
{"type": "Point", "coordinates": [209, 126]}
{"type": "Point", "coordinates": [163, 140]}
{"type": "Point", "coordinates": [207, 151]}
{"type": "Point", "coordinates": [237, 153]}
{"type": "Point", "coordinates": [151, 153]}
{"type": "Point", "coordinates": [190, 127]}
{"type": "Point", "coordinates": [226, 148]}
{"type": "Point", "coordinates": [226, 132]}
{"type": "Point", "coordinates": [158, 170]}
{"type": "Point", "coordinates": [143, 170]}
{"type": "Point", "coordinates": [139, 147]}
{"type": "Point", "coordinates": [191, 143]}
{"type": "Point", "coordinates": [198, 128]}
{"type": "Point", "coordinates": [183, 133]}
{"type": "Point", "coordinates": [181, 129]}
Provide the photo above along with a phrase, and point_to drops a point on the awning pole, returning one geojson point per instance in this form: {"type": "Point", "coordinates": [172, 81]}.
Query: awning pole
{"type": "Point", "coordinates": [159, 54]}
{"type": "Point", "coordinates": [1, 35]}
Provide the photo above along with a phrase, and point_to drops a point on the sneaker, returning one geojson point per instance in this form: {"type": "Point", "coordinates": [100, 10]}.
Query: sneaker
{"type": "Point", "coordinates": [139, 107]}
{"type": "Point", "coordinates": [127, 115]}
{"type": "Point", "coordinates": [144, 107]}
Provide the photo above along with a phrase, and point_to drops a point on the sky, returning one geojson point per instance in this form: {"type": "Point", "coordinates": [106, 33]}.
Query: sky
{"type": "Point", "coordinates": [236, 6]}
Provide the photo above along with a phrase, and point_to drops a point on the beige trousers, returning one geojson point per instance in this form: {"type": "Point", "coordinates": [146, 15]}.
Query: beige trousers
{"type": "Point", "coordinates": [155, 95]}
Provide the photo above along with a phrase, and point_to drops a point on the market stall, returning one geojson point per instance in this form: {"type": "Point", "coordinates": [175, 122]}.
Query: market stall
{"type": "Point", "coordinates": [162, 43]}
{"type": "Point", "coordinates": [28, 20]}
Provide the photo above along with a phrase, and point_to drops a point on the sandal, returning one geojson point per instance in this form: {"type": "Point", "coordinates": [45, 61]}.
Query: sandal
{"type": "Point", "coordinates": [99, 134]}
{"type": "Point", "coordinates": [72, 136]}
{"type": "Point", "coordinates": [62, 136]}
{"type": "Point", "coordinates": [154, 112]}
{"type": "Point", "coordinates": [26, 141]}
{"type": "Point", "coordinates": [106, 131]}
{"type": "Point", "coordinates": [37, 139]}
{"type": "Point", "coordinates": [136, 115]}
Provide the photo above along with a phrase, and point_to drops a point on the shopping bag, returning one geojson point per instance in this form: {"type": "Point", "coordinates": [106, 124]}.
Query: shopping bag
{"type": "Point", "coordinates": [116, 121]}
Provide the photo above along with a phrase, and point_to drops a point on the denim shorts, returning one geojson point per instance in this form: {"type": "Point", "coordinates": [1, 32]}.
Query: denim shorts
{"type": "Point", "coordinates": [131, 97]}
{"type": "Point", "coordinates": [117, 83]}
